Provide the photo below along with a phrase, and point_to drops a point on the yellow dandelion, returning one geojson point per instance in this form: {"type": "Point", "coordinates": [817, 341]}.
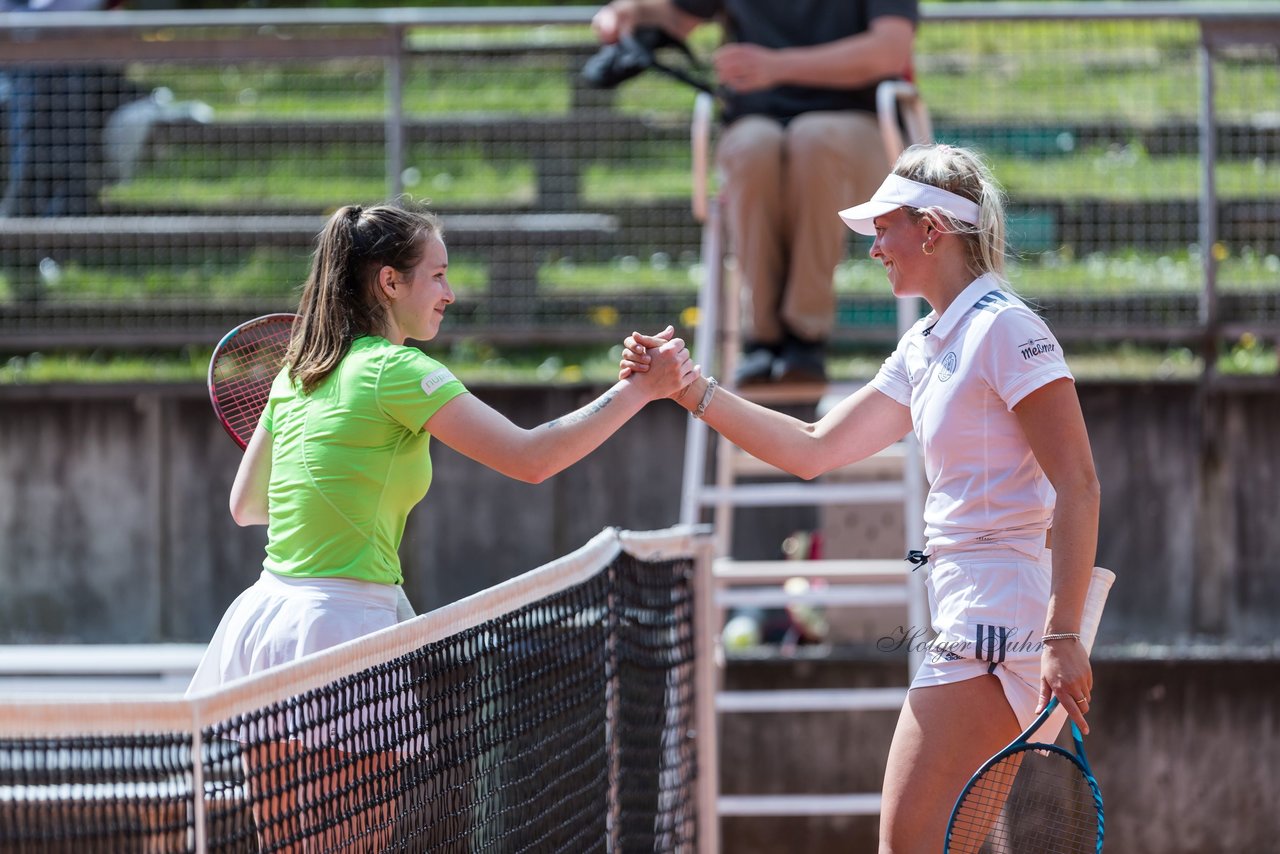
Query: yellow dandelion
{"type": "Point", "coordinates": [605, 315]}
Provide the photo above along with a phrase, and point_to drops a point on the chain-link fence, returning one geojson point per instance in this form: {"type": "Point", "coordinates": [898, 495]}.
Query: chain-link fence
{"type": "Point", "coordinates": [1097, 127]}
{"type": "Point", "coordinates": [167, 173]}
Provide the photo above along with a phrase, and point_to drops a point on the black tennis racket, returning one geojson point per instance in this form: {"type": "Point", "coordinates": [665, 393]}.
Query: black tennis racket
{"type": "Point", "coordinates": [244, 364]}
{"type": "Point", "coordinates": [1030, 798]}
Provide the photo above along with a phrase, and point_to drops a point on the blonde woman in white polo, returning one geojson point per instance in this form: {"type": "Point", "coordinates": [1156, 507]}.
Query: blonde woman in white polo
{"type": "Point", "coordinates": [982, 382]}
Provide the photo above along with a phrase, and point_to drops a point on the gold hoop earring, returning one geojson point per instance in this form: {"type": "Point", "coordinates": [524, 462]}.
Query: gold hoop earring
{"type": "Point", "coordinates": [926, 248]}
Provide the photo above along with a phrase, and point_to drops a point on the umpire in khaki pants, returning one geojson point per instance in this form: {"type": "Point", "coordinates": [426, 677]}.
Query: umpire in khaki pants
{"type": "Point", "coordinates": [801, 137]}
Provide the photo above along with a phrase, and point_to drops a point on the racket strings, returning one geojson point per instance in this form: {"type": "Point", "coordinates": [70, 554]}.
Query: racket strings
{"type": "Point", "coordinates": [1031, 802]}
{"type": "Point", "coordinates": [243, 372]}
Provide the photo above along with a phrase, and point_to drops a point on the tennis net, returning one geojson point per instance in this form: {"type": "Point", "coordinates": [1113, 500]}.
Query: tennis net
{"type": "Point", "coordinates": [555, 712]}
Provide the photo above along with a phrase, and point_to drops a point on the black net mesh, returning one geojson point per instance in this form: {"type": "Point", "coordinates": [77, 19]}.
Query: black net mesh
{"type": "Point", "coordinates": [94, 794]}
{"type": "Point", "coordinates": [159, 184]}
{"type": "Point", "coordinates": [562, 725]}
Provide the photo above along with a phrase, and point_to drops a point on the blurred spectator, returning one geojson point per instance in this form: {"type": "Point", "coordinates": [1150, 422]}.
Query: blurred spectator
{"type": "Point", "coordinates": [54, 121]}
{"type": "Point", "coordinates": [801, 137]}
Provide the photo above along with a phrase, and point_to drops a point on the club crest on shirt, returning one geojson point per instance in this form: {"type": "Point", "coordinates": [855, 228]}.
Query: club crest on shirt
{"type": "Point", "coordinates": [435, 379]}
{"type": "Point", "coordinates": [948, 368]}
{"type": "Point", "coordinates": [1035, 347]}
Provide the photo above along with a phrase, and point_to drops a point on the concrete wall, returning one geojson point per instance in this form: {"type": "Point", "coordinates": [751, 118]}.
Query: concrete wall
{"type": "Point", "coordinates": [114, 528]}
{"type": "Point", "coordinates": [1184, 752]}
{"type": "Point", "coordinates": [114, 524]}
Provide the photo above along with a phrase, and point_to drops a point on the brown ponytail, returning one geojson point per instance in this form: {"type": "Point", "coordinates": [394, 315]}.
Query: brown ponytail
{"type": "Point", "coordinates": [339, 301]}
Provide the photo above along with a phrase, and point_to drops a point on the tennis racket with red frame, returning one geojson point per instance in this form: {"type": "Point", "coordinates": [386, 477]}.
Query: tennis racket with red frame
{"type": "Point", "coordinates": [244, 364]}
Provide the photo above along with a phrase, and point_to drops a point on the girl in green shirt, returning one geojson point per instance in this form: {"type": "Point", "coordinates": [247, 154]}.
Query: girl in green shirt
{"type": "Point", "coordinates": [340, 455]}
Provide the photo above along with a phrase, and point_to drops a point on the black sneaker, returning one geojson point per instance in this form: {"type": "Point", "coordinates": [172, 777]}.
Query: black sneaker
{"type": "Point", "coordinates": [801, 362]}
{"type": "Point", "coordinates": [756, 366]}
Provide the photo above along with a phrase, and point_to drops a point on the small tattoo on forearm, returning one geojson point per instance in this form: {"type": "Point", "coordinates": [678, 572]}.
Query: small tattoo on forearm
{"type": "Point", "coordinates": [585, 412]}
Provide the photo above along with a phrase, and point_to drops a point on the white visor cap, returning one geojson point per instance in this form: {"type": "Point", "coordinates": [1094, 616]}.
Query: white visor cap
{"type": "Point", "coordinates": [897, 192]}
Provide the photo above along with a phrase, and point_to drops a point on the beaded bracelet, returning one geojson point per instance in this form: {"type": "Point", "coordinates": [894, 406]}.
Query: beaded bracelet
{"type": "Point", "coordinates": [1060, 636]}
{"type": "Point", "coordinates": [706, 398]}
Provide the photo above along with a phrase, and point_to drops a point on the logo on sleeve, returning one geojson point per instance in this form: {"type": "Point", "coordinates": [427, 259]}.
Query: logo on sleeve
{"type": "Point", "coordinates": [1036, 347]}
{"type": "Point", "coordinates": [432, 381]}
{"type": "Point", "coordinates": [948, 368]}
{"type": "Point", "coordinates": [992, 301]}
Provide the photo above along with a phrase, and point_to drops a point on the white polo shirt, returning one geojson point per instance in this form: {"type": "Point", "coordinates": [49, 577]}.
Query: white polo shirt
{"type": "Point", "coordinates": [962, 374]}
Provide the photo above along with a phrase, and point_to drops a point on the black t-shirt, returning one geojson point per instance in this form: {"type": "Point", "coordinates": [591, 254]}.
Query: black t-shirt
{"type": "Point", "coordinates": [797, 23]}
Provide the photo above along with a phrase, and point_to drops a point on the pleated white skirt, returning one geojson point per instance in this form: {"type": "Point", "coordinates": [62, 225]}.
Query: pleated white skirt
{"type": "Point", "coordinates": [281, 619]}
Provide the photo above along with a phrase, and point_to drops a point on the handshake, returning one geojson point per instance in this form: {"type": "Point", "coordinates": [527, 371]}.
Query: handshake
{"type": "Point", "coordinates": [663, 365]}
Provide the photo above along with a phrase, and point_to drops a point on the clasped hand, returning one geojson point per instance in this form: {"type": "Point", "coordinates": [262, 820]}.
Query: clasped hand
{"type": "Point", "coordinates": [661, 362]}
{"type": "Point", "coordinates": [645, 354]}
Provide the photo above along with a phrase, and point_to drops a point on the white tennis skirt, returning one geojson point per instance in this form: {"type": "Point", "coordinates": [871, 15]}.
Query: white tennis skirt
{"type": "Point", "coordinates": [281, 619]}
{"type": "Point", "coordinates": [988, 608]}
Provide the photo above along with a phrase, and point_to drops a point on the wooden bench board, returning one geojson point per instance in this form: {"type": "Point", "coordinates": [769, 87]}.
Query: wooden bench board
{"type": "Point", "coordinates": [177, 230]}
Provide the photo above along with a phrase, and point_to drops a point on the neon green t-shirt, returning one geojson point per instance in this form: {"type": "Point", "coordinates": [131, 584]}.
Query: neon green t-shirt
{"type": "Point", "coordinates": [350, 460]}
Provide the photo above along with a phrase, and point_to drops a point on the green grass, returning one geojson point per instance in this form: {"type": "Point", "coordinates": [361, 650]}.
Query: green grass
{"type": "Point", "coordinates": [356, 88]}
{"type": "Point", "coordinates": [479, 363]}
{"type": "Point", "coordinates": [624, 274]}
{"type": "Point", "coordinates": [1053, 74]}
{"type": "Point", "coordinates": [1143, 72]}
{"type": "Point", "coordinates": [1100, 274]}
{"type": "Point", "coordinates": [325, 177]}
{"type": "Point", "coordinates": [1129, 174]}
{"type": "Point", "coordinates": [39, 368]}
{"type": "Point", "coordinates": [1140, 72]}
{"type": "Point", "coordinates": [351, 89]}
{"type": "Point", "coordinates": [1126, 174]}
{"type": "Point", "coordinates": [1044, 274]}
{"type": "Point", "coordinates": [265, 273]}
{"type": "Point", "coordinates": [274, 273]}
{"type": "Point", "coordinates": [1139, 272]}
{"type": "Point", "coordinates": [1131, 362]}
{"type": "Point", "coordinates": [473, 362]}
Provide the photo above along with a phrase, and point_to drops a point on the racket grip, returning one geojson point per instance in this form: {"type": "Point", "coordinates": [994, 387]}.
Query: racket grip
{"type": "Point", "coordinates": [1095, 601]}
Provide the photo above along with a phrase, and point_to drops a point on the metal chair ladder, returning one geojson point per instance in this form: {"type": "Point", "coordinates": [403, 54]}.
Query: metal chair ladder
{"type": "Point", "coordinates": [858, 583]}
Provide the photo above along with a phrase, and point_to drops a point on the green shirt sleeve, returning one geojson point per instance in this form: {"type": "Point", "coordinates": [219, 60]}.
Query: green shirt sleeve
{"type": "Point", "coordinates": [412, 387]}
{"type": "Point", "coordinates": [280, 387]}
